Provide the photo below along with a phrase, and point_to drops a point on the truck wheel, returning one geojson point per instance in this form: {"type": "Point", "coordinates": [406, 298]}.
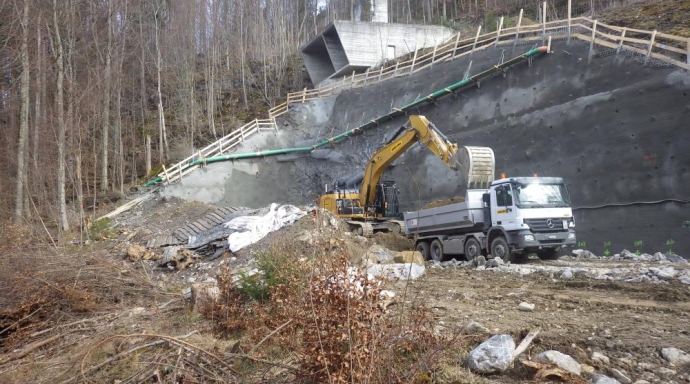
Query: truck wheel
{"type": "Point", "coordinates": [549, 254]}
{"type": "Point", "coordinates": [436, 250]}
{"type": "Point", "coordinates": [472, 249]}
{"type": "Point", "coordinates": [423, 248]}
{"type": "Point", "coordinates": [500, 248]}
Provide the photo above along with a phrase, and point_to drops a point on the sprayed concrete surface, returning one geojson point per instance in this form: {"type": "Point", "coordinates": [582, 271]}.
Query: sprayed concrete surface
{"type": "Point", "coordinates": [614, 129]}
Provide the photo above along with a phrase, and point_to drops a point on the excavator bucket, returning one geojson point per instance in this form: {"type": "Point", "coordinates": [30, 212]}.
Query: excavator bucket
{"type": "Point", "coordinates": [478, 165]}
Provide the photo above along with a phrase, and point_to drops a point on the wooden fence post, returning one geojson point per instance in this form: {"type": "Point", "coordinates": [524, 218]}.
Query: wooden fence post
{"type": "Point", "coordinates": [476, 37]}
{"type": "Point", "coordinates": [380, 73]}
{"type": "Point", "coordinates": [455, 47]}
{"type": "Point", "coordinates": [543, 22]}
{"type": "Point", "coordinates": [517, 29]}
{"type": "Point", "coordinates": [433, 57]}
{"type": "Point", "coordinates": [352, 80]}
{"type": "Point", "coordinates": [498, 32]}
{"type": "Point", "coordinates": [651, 45]}
{"type": "Point", "coordinates": [591, 43]}
{"type": "Point", "coordinates": [414, 58]}
{"type": "Point", "coordinates": [395, 71]}
{"type": "Point", "coordinates": [304, 95]}
{"type": "Point", "coordinates": [620, 43]}
{"type": "Point", "coordinates": [165, 172]}
{"type": "Point", "coordinates": [570, 10]}
{"type": "Point", "coordinates": [220, 146]}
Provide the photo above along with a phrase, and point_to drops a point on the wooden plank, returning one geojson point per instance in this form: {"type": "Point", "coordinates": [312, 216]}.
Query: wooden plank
{"type": "Point", "coordinates": [672, 37]}
{"type": "Point", "coordinates": [669, 48]}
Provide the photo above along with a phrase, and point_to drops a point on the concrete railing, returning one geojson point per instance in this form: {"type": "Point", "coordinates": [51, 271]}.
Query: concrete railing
{"type": "Point", "coordinates": [647, 44]}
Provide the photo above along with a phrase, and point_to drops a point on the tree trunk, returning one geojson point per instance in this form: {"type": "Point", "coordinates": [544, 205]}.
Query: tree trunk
{"type": "Point", "coordinates": [62, 128]}
{"type": "Point", "coordinates": [105, 125]}
{"type": "Point", "coordinates": [23, 117]}
{"type": "Point", "coordinates": [162, 135]}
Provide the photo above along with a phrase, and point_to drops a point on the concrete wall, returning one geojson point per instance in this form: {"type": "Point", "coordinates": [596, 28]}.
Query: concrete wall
{"type": "Point", "coordinates": [614, 129]}
{"type": "Point", "coordinates": [347, 46]}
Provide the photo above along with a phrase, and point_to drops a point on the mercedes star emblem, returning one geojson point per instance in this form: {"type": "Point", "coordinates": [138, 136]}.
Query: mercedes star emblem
{"type": "Point", "coordinates": [549, 223]}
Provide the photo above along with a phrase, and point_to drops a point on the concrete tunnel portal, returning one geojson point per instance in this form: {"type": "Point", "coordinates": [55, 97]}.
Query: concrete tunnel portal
{"type": "Point", "coordinates": [615, 129]}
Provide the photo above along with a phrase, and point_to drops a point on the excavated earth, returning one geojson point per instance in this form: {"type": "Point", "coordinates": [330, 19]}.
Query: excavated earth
{"type": "Point", "coordinates": [629, 322]}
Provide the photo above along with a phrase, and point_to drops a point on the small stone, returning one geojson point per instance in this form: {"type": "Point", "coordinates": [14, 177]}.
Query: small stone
{"type": "Point", "coordinates": [646, 366]}
{"type": "Point", "coordinates": [676, 356]}
{"type": "Point", "coordinates": [665, 373]}
{"type": "Point", "coordinates": [642, 382]}
{"type": "Point", "coordinates": [526, 307]}
{"type": "Point", "coordinates": [562, 360]}
{"type": "Point", "coordinates": [649, 376]}
{"type": "Point", "coordinates": [600, 358]}
{"type": "Point", "coordinates": [603, 379]}
{"type": "Point", "coordinates": [479, 261]}
{"type": "Point", "coordinates": [621, 376]}
{"type": "Point", "coordinates": [587, 369]}
{"type": "Point", "coordinates": [137, 311]}
{"type": "Point", "coordinates": [474, 328]}
{"type": "Point", "coordinates": [627, 361]}
{"type": "Point", "coordinates": [567, 274]}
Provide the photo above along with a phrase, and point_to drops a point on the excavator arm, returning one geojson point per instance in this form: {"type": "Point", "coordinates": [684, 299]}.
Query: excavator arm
{"type": "Point", "coordinates": [420, 130]}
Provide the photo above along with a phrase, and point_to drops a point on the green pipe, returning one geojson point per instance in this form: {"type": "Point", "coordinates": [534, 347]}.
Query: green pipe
{"type": "Point", "coordinates": [368, 125]}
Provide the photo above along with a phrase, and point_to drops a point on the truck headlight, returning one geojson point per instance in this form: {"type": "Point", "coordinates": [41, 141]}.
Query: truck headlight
{"type": "Point", "coordinates": [529, 237]}
{"type": "Point", "coordinates": [571, 236]}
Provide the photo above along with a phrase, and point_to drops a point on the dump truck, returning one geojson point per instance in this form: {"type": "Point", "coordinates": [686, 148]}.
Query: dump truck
{"type": "Point", "coordinates": [507, 218]}
{"type": "Point", "coordinates": [369, 204]}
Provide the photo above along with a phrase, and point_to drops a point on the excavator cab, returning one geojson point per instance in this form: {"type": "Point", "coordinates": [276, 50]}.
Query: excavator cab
{"type": "Point", "coordinates": [387, 202]}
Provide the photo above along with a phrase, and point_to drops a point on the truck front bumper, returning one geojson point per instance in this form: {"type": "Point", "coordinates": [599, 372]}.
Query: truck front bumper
{"type": "Point", "coordinates": [529, 240]}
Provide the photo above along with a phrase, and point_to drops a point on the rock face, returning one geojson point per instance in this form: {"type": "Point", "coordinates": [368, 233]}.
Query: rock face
{"type": "Point", "coordinates": [409, 257]}
{"type": "Point", "coordinates": [493, 355]}
{"type": "Point", "coordinates": [563, 361]}
{"type": "Point", "coordinates": [676, 357]}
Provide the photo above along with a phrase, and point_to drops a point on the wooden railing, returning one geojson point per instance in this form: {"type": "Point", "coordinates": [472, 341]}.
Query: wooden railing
{"type": "Point", "coordinates": [647, 44]}
{"type": "Point", "coordinates": [217, 148]}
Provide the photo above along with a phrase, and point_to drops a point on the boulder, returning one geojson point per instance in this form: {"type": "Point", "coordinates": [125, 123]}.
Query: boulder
{"type": "Point", "coordinates": [676, 356]}
{"type": "Point", "coordinates": [567, 273]}
{"type": "Point", "coordinates": [494, 263]}
{"type": "Point", "coordinates": [479, 261]}
{"type": "Point", "coordinates": [493, 355]}
{"type": "Point", "coordinates": [526, 307]}
{"type": "Point", "coordinates": [380, 254]}
{"type": "Point", "coordinates": [563, 361]}
{"type": "Point", "coordinates": [409, 257]}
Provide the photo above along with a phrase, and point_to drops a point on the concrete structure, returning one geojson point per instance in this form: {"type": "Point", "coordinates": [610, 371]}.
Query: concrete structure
{"type": "Point", "coordinates": [614, 129]}
{"type": "Point", "coordinates": [347, 46]}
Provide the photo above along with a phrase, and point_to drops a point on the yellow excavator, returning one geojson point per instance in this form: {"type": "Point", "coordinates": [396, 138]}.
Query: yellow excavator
{"type": "Point", "coordinates": [368, 204]}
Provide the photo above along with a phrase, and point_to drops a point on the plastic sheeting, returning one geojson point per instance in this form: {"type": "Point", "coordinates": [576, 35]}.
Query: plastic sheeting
{"type": "Point", "coordinates": [250, 229]}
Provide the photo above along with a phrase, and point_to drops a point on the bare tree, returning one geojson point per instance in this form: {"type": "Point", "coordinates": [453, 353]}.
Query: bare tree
{"type": "Point", "coordinates": [62, 126]}
{"type": "Point", "coordinates": [24, 117]}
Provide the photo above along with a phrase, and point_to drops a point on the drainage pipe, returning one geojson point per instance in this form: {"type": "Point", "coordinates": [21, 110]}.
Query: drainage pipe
{"type": "Point", "coordinates": [372, 123]}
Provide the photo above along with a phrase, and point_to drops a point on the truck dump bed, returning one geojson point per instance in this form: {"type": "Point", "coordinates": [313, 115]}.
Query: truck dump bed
{"type": "Point", "coordinates": [467, 216]}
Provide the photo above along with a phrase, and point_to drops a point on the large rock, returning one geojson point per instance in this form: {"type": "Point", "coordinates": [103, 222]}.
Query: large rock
{"type": "Point", "coordinates": [379, 254]}
{"type": "Point", "coordinates": [563, 361]}
{"type": "Point", "coordinates": [409, 257]}
{"type": "Point", "coordinates": [676, 356]}
{"type": "Point", "coordinates": [493, 355]}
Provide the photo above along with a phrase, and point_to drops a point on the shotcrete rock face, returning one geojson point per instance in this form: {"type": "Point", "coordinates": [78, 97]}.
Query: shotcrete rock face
{"type": "Point", "coordinates": [614, 129]}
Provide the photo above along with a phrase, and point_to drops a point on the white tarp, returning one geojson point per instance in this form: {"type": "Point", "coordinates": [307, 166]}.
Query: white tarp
{"type": "Point", "coordinates": [250, 229]}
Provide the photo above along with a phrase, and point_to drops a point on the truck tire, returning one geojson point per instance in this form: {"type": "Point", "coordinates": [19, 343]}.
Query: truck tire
{"type": "Point", "coordinates": [500, 248]}
{"type": "Point", "coordinates": [472, 248]}
{"type": "Point", "coordinates": [549, 254]}
{"type": "Point", "coordinates": [423, 248]}
{"type": "Point", "coordinates": [436, 250]}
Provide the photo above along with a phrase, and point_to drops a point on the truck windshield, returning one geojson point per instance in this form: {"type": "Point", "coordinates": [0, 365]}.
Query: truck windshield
{"type": "Point", "coordinates": [536, 195]}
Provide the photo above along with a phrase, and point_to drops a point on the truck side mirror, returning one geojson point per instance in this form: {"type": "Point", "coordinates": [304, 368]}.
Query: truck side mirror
{"type": "Point", "coordinates": [485, 199]}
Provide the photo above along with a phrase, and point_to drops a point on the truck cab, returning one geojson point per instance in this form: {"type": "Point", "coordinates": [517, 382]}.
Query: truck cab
{"type": "Point", "coordinates": [530, 214]}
